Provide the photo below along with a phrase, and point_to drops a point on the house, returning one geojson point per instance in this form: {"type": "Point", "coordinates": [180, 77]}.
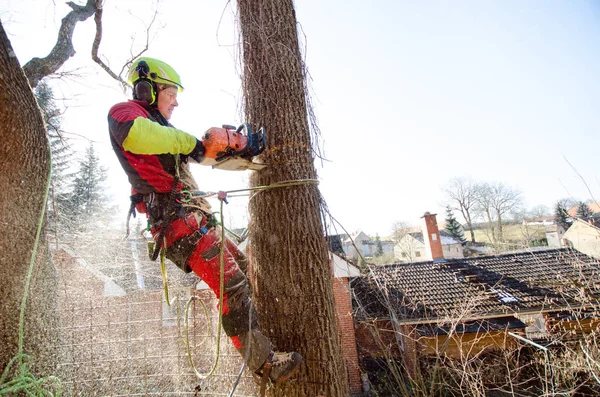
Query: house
{"type": "Point", "coordinates": [414, 247]}
{"type": "Point", "coordinates": [463, 307]}
{"type": "Point", "coordinates": [387, 246]}
{"type": "Point", "coordinates": [358, 244]}
{"type": "Point", "coordinates": [584, 237]}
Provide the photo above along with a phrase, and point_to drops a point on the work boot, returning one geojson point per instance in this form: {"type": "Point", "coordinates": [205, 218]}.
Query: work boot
{"type": "Point", "coordinates": [283, 366]}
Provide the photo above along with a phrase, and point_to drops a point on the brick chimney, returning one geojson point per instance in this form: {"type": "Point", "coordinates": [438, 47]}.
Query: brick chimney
{"type": "Point", "coordinates": [431, 237]}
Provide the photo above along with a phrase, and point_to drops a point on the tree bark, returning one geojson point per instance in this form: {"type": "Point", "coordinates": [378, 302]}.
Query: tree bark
{"type": "Point", "coordinates": [290, 273]}
{"type": "Point", "coordinates": [25, 162]}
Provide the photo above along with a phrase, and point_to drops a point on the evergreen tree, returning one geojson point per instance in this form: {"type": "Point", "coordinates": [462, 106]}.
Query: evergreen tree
{"type": "Point", "coordinates": [86, 197]}
{"type": "Point", "coordinates": [378, 246]}
{"type": "Point", "coordinates": [561, 216]}
{"type": "Point", "coordinates": [583, 211]}
{"type": "Point", "coordinates": [62, 155]}
{"type": "Point", "coordinates": [453, 227]}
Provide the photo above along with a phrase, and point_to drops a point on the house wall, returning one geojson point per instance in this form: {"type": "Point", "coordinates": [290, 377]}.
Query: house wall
{"type": "Point", "coordinates": [466, 345]}
{"type": "Point", "coordinates": [376, 339]}
{"type": "Point", "coordinates": [453, 251]}
{"type": "Point", "coordinates": [584, 238]}
{"type": "Point", "coordinates": [554, 240]}
{"type": "Point", "coordinates": [409, 249]}
{"type": "Point", "coordinates": [573, 328]}
{"type": "Point", "coordinates": [416, 251]}
{"type": "Point", "coordinates": [365, 245]}
{"type": "Point", "coordinates": [379, 340]}
{"type": "Point", "coordinates": [387, 246]}
{"type": "Point", "coordinates": [343, 302]}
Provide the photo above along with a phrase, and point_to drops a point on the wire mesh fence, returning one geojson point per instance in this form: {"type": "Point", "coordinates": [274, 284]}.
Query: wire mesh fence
{"type": "Point", "coordinates": [119, 337]}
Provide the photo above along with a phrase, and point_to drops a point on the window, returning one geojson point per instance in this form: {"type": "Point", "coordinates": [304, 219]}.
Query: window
{"type": "Point", "coordinates": [417, 253]}
{"type": "Point", "coordinates": [404, 254]}
{"type": "Point", "coordinates": [433, 236]}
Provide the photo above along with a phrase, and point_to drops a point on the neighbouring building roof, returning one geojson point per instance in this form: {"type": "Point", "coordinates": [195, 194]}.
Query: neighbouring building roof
{"type": "Point", "coordinates": [594, 207]}
{"type": "Point", "coordinates": [445, 238]}
{"type": "Point", "coordinates": [540, 220]}
{"type": "Point", "coordinates": [479, 287]}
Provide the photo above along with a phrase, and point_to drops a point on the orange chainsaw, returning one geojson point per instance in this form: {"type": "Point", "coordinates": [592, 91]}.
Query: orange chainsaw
{"type": "Point", "coordinates": [231, 148]}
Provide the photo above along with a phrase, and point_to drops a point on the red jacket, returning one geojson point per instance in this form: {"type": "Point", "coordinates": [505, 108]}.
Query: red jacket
{"type": "Point", "coordinates": [145, 144]}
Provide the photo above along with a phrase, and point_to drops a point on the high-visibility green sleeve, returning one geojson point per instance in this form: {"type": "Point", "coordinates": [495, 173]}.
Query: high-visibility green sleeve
{"type": "Point", "coordinates": [149, 137]}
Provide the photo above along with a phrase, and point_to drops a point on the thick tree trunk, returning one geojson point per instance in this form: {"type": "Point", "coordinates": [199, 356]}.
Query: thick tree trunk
{"type": "Point", "coordinates": [25, 162]}
{"type": "Point", "coordinates": [290, 273]}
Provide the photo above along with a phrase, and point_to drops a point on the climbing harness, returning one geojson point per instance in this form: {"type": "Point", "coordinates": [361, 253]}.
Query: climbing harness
{"type": "Point", "coordinates": [168, 214]}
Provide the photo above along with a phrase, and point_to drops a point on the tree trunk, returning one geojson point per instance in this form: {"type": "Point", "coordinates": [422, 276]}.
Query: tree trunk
{"type": "Point", "coordinates": [491, 226]}
{"type": "Point", "coordinates": [290, 272]}
{"type": "Point", "coordinates": [499, 223]}
{"type": "Point", "coordinates": [467, 217]}
{"type": "Point", "coordinates": [25, 162]}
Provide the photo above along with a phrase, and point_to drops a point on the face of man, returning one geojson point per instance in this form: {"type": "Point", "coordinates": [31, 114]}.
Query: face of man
{"type": "Point", "coordinates": [167, 101]}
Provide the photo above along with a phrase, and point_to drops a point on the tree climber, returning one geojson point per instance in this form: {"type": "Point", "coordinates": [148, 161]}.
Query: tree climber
{"type": "Point", "coordinates": [155, 157]}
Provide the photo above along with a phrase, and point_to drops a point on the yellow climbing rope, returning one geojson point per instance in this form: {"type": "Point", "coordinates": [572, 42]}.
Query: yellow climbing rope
{"type": "Point", "coordinates": [221, 287]}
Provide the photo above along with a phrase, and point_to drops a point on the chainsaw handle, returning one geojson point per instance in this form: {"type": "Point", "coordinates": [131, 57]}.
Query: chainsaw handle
{"type": "Point", "coordinates": [244, 127]}
{"type": "Point", "coordinates": [256, 140]}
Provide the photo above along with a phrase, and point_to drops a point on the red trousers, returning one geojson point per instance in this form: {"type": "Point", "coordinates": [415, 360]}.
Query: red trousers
{"type": "Point", "coordinates": [195, 245]}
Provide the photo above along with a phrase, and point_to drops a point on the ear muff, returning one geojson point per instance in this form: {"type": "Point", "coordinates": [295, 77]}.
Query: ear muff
{"type": "Point", "coordinates": [145, 90]}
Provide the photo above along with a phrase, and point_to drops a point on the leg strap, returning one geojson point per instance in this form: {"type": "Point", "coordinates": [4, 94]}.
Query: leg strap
{"type": "Point", "coordinates": [266, 371]}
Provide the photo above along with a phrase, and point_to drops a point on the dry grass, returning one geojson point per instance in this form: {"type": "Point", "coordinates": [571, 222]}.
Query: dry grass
{"type": "Point", "coordinates": [515, 233]}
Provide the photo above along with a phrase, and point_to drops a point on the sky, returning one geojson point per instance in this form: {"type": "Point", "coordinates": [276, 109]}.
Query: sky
{"type": "Point", "coordinates": [407, 94]}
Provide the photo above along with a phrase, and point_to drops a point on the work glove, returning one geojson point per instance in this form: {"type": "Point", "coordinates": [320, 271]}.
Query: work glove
{"type": "Point", "coordinates": [197, 154]}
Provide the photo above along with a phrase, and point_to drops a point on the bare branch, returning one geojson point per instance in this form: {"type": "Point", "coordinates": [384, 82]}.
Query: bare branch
{"type": "Point", "coordinates": [96, 46]}
{"type": "Point", "coordinates": [38, 68]}
{"type": "Point", "coordinates": [98, 39]}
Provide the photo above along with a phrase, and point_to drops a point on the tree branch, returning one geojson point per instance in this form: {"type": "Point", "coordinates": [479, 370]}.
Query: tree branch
{"type": "Point", "coordinates": [98, 39]}
{"type": "Point", "coordinates": [38, 68]}
{"type": "Point", "coordinates": [96, 46]}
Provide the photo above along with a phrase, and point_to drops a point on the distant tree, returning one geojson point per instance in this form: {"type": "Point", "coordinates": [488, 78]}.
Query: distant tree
{"type": "Point", "coordinates": [378, 246]}
{"type": "Point", "coordinates": [462, 192]}
{"type": "Point", "coordinates": [86, 197]}
{"type": "Point", "coordinates": [494, 201]}
{"type": "Point", "coordinates": [568, 202]}
{"type": "Point", "coordinates": [539, 211]}
{"type": "Point", "coordinates": [399, 230]}
{"type": "Point", "coordinates": [404, 250]}
{"type": "Point", "coordinates": [453, 227]}
{"type": "Point", "coordinates": [561, 216]}
{"type": "Point", "coordinates": [62, 155]}
{"type": "Point", "coordinates": [583, 211]}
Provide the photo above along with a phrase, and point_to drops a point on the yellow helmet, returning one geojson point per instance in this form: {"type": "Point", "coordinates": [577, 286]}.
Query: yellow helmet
{"type": "Point", "coordinates": [144, 75]}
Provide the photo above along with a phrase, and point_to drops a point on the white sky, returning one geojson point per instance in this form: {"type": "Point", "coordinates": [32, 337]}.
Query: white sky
{"type": "Point", "coordinates": [408, 94]}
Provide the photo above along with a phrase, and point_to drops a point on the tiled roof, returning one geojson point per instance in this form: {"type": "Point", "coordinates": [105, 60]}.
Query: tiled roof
{"type": "Point", "coordinates": [479, 286]}
{"type": "Point", "coordinates": [445, 238]}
